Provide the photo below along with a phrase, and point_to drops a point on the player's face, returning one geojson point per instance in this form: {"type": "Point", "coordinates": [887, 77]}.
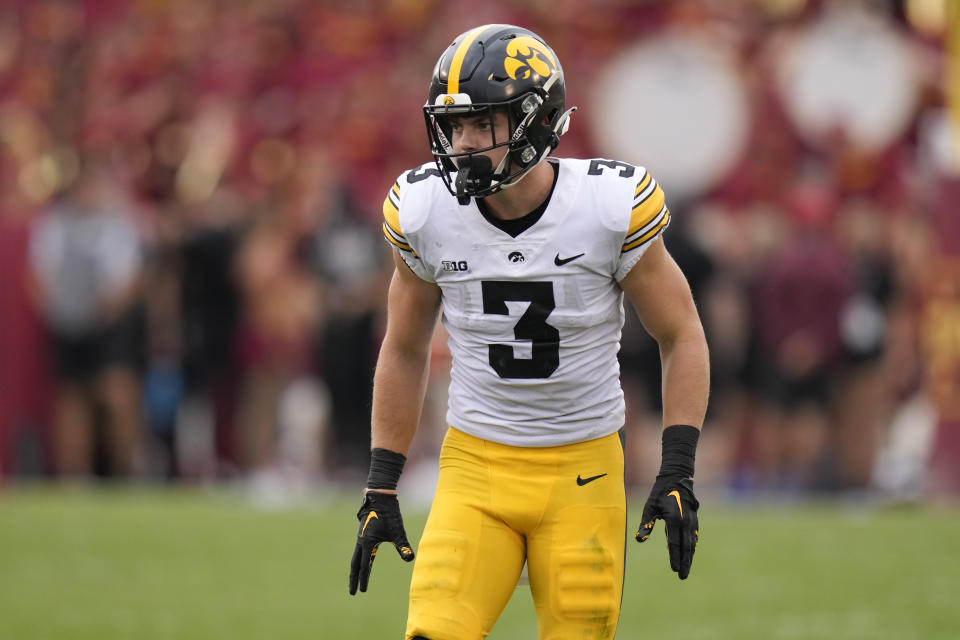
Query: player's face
{"type": "Point", "coordinates": [479, 132]}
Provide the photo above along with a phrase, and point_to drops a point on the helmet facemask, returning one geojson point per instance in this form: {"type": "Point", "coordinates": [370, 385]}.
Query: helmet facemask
{"type": "Point", "coordinates": [535, 122]}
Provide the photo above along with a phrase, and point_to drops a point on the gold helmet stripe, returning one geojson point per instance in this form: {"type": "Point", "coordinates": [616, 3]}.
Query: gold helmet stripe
{"type": "Point", "coordinates": [453, 77]}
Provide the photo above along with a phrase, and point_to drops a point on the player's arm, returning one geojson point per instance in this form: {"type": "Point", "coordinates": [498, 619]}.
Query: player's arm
{"type": "Point", "coordinates": [661, 296]}
{"type": "Point", "coordinates": [399, 384]}
{"type": "Point", "coordinates": [400, 379]}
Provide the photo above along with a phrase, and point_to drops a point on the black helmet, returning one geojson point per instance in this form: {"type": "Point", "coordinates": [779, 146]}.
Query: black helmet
{"type": "Point", "coordinates": [496, 66]}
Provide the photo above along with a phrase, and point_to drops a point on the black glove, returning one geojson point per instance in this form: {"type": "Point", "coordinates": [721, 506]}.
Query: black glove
{"type": "Point", "coordinates": [380, 521]}
{"type": "Point", "coordinates": [672, 498]}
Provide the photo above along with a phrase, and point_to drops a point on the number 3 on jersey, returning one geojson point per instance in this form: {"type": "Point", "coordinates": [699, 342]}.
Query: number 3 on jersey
{"type": "Point", "coordinates": [532, 326]}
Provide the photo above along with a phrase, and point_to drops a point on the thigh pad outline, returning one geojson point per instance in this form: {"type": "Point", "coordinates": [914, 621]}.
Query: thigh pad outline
{"type": "Point", "coordinates": [586, 584]}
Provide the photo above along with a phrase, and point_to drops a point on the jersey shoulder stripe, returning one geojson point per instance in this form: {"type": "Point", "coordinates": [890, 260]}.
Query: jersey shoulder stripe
{"type": "Point", "coordinates": [649, 215]}
{"type": "Point", "coordinates": [648, 200]}
{"type": "Point", "coordinates": [392, 230]}
{"type": "Point", "coordinates": [649, 231]}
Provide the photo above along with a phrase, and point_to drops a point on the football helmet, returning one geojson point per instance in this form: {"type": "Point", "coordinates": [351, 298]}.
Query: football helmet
{"type": "Point", "coordinates": [496, 66]}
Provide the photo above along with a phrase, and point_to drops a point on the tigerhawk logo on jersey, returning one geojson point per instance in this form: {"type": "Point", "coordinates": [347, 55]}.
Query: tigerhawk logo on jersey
{"type": "Point", "coordinates": [516, 257]}
{"type": "Point", "coordinates": [527, 54]}
{"type": "Point", "coordinates": [454, 265]}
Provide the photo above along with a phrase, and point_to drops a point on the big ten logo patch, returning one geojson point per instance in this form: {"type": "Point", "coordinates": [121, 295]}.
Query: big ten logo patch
{"type": "Point", "coordinates": [454, 265]}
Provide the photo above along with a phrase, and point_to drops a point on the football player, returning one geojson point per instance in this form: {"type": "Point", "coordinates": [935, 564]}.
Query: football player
{"type": "Point", "coordinates": [528, 257]}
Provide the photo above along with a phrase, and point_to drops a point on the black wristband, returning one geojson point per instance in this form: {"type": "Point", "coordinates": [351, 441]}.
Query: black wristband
{"type": "Point", "coordinates": [679, 450]}
{"type": "Point", "coordinates": [385, 469]}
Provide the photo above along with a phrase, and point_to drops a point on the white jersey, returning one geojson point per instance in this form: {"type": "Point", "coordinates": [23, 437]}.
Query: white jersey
{"type": "Point", "coordinates": [534, 321]}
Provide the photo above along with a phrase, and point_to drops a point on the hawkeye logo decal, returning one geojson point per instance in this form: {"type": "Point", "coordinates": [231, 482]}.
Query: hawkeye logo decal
{"type": "Point", "coordinates": [676, 496]}
{"type": "Point", "coordinates": [528, 55]}
{"type": "Point", "coordinates": [370, 516]}
{"type": "Point", "coordinates": [448, 100]}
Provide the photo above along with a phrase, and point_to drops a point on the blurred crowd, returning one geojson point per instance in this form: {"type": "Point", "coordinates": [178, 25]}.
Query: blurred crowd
{"type": "Point", "coordinates": [194, 277]}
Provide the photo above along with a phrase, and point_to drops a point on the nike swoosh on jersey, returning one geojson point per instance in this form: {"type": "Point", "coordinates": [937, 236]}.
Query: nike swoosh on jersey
{"type": "Point", "coordinates": [562, 261]}
{"type": "Point", "coordinates": [583, 481]}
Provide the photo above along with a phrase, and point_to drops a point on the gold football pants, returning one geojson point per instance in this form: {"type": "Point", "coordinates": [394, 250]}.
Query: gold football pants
{"type": "Point", "coordinates": [563, 509]}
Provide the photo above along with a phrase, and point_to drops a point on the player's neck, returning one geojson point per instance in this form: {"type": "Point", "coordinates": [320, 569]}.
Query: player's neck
{"type": "Point", "coordinates": [524, 196]}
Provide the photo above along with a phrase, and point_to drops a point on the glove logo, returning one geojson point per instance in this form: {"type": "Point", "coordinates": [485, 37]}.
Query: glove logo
{"type": "Point", "coordinates": [528, 55]}
{"type": "Point", "coordinates": [676, 496]}
{"type": "Point", "coordinates": [386, 509]}
{"type": "Point", "coordinates": [370, 516]}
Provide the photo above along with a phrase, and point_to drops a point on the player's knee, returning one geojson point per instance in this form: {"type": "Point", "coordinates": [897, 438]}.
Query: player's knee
{"type": "Point", "coordinates": [588, 584]}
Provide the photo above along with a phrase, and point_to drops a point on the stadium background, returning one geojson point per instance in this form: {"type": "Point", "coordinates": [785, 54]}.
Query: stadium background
{"type": "Point", "coordinates": [239, 153]}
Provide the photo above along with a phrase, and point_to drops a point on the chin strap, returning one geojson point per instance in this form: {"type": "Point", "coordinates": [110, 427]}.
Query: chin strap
{"type": "Point", "coordinates": [562, 126]}
{"type": "Point", "coordinates": [563, 123]}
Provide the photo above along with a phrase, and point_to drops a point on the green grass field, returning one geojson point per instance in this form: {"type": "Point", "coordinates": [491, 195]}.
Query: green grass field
{"type": "Point", "coordinates": [145, 564]}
